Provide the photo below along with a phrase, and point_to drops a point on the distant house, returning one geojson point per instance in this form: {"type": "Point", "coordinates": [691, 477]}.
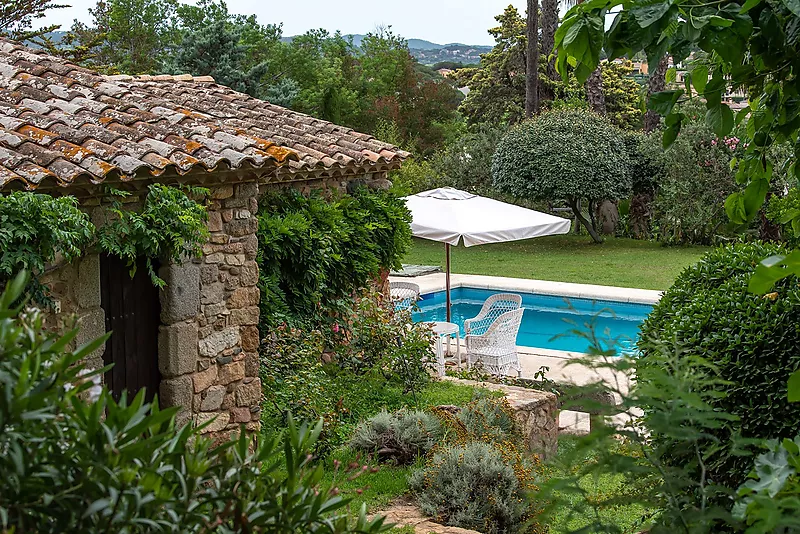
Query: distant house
{"type": "Point", "coordinates": [68, 130]}
{"type": "Point", "coordinates": [445, 72]}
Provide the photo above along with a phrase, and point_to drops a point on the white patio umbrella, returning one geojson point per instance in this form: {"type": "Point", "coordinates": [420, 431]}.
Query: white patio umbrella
{"type": "Point", "coordinates": [450, 215]}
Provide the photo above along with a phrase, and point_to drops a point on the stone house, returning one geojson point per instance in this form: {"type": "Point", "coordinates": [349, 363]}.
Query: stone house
{"type": "Point", "coordinates": [68, 130]}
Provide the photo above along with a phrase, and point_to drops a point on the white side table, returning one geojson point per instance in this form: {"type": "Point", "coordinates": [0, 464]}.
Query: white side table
{"type": "Point", "coordinates": [441, 329]}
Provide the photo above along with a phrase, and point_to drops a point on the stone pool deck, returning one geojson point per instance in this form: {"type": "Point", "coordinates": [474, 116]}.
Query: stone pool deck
{"type": "Point", "coordinates": [561, 364]}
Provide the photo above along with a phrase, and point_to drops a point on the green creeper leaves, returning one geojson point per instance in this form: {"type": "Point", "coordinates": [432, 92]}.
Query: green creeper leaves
{"type": "Point", "coordinates": [699, 77]}
{"type": "Point", "coordinates": [663, 101]}
{"type": "Point", "coordinates": [794, 387]}
{"type": "Point", "coordinates": [580, 40]}
{"type": "Point", "coordinates": [773, 269]}
{"type": "Point", "coordinates": [647, 13]}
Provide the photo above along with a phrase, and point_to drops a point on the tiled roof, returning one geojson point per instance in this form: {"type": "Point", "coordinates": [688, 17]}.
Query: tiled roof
{"type": "Point", "coordinates": [70, 125]}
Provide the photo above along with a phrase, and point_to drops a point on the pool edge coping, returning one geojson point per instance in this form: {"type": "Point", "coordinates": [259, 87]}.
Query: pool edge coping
{"type": "Point", "coordinates": [432, 283]}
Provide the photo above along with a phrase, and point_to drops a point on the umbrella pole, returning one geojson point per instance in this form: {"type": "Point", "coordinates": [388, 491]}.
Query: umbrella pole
{"type": "Point", "coordinates": [447, 277]}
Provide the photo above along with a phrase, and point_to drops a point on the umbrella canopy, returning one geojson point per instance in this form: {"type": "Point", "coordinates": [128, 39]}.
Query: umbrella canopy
{"type": "Point", "coordinates": [449, 216]}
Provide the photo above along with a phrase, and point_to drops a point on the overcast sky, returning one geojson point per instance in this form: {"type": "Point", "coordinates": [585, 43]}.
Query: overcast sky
{"type": "Point", "coordinates": [439, 21]}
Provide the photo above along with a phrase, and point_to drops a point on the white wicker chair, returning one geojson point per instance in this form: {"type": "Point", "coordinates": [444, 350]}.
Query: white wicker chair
{"type": "Point", "coordinates": [494, 307]}
{"type": "Point", "coordinates": [496, 348]}
{"type": "Point", "coordinates": [404, 295]}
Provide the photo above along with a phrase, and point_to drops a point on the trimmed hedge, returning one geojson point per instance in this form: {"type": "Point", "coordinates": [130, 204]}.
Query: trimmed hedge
{"type": "Point", "coordinates": [753, 340]}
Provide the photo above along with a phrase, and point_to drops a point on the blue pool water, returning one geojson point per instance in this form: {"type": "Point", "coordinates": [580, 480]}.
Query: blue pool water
{"type": "Point", "coordinates": [547, 320]}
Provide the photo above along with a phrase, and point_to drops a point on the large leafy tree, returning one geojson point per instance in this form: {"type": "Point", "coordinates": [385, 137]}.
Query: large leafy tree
{"type": "Point", "coordinates": [575, 156]}
{"type": "Point", "coordinates": [622, 95]}
{"type": "Point", "coordinates": [749, 44]}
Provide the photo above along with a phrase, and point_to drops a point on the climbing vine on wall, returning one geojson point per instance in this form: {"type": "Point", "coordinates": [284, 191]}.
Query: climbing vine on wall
{"type": "Point", "coordinates": [170, 226]}
{"type": "Point", "coordinates": [36, 229]}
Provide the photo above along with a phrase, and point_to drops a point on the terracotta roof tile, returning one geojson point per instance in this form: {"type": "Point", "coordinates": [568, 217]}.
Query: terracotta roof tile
{"type": "Point", "coordinates": [68, 124]}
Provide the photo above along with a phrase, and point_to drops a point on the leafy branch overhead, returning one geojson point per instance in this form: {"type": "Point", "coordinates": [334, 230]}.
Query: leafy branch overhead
{"type": "Point", "coordinates": [750, 45]}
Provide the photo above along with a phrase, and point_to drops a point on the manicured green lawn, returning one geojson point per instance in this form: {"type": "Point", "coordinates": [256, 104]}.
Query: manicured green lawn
{"type": "Point", "coordinates": [569, 258]}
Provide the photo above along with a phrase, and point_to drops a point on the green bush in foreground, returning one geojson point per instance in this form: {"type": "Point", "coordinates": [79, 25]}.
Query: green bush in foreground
{"type": "Point", "coordinates": [472, 486]}
{"type": "Point", "coordinates": [401, 437]}
{"type": "Point", "coordinates": [74, 460]}
{"type": "Point", "coordinates": [751, 341]}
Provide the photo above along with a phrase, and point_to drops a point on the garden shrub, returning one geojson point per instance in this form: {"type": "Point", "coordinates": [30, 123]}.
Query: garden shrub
{"type": "Point", "coordinates": [751, 340]}
{"type": "Point", "coordinates": [315, 253]}
{"type": "Point", "coordinates": [489, 419]}
{"type": "Point", "coordinates": [781, 211]}
{"type": "Point", "coordinates": [472, 486]}
{"type": "Point", "coordinates": [400, 437]}
{"type": "Point", "coordinates": [75, 460]}
{"type": "Point", "coordinates": [572, 155]}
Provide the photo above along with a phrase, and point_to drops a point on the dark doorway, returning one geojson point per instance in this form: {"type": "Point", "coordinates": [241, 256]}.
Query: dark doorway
{"type": "Point", "coordinates": [132, 313]}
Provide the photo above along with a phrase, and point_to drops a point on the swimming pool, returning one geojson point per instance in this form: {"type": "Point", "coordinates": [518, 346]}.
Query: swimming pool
{"type": "Point", "coordinates": [546, 317]}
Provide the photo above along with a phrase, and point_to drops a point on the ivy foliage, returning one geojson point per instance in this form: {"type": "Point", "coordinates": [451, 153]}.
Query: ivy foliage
{"type": "Point", "coordinates": [314, 253]}
{"type": "Point", "coordinates": [170, 226]}
{"type": "Point", "coordinates": [748, 44]}
{"type": "Point", "coordinates": [570, 155]}
{"type": "Point", "coordinates": [34, 229]}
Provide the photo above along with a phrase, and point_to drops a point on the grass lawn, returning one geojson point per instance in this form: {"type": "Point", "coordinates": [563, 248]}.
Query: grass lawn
{"type": "Point", "coordinates": [567, 258]}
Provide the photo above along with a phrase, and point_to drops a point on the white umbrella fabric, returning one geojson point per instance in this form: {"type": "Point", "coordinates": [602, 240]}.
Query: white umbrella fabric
{"type": "Point", "coordinates": [450, 216]}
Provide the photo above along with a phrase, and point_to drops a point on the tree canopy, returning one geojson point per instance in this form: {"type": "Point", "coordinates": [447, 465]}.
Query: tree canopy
{"type": "Point", "coordinates": [573, 155]}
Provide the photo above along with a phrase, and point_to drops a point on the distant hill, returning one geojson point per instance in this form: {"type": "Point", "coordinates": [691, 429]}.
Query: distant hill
{"type": "Point", "coordinates": [429, 53]}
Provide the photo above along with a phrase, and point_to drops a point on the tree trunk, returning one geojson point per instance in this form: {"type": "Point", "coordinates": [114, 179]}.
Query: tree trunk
{"type": "Point", "coordinates": [594, 92]}
{"type": "Point", "coordinates": [656, 83]}
{"type": "Point", "coordinates": [573, 203]}
{"type": "Point", "coordinates": [532, 61]}
{"type": "Point", "coordinates": [549, 26]}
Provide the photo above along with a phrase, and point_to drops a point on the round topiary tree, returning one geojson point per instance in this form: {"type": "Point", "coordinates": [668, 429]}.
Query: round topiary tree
{"type": "Point", "coordinates": [752, 340]}
{"type": "Point", "coordinates": [571, 155]}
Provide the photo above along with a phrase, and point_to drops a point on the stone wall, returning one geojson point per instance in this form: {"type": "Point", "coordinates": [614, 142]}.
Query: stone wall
{"type": "Point", "coordinates": [208, 344]}
{"type": "Point", "coordinates": [536, 413]}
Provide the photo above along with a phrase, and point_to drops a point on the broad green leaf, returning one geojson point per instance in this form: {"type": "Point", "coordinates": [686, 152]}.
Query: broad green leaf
{"type": "Point", "coordinates": [672, 75]}
{"type": "Point", "coordinates": [650, 13]}
{"type": "Point", "coordinates": [773, 269]}
{"type": "Point", "coordinates": [700, 78]}
{"type": "Point", "coordinates": [754, 195]}
{"type": "Point", "coordinates": [793, 6]}
{"type": "Point", "coordinates": [748, 5]}
{"type": "Point", "coordinates": [734, 207]}
{"type": "Point", "coordinates": [794, 387]}
{"type": "Point", "coordinates": [720, 119]}
{"type": "Point", "coordinates": [663, 101]}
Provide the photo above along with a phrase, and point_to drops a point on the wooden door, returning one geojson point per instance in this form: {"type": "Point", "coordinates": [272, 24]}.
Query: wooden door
{"type": "Point", "coordinates": [132, 313]}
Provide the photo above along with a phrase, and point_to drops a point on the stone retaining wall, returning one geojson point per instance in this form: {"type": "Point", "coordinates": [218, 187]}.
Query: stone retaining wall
{"type": "Point", "coordinates": [536, 411]}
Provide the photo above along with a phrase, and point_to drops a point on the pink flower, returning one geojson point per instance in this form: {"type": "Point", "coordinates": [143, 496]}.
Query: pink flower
{"type": "Point", "coordinates": [336, 327]}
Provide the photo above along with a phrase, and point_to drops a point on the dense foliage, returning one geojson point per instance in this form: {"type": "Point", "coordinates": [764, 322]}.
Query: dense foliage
{"type": "Point", "coordinates": [570, 155]}
{"type": "Point", "coordinates": [750, 45]}
{"type": "Point", "coordinates": [339, 371]}
{"type": "Point", "coordinates": [751, 340]}
{"type": "Point", "coordinates": [170, 226]}
{"type": "Point", "coordinates": [34, 229]}
{"type": "Point", "coordinates": [315, 253]}
{"type": "Point", "coordinates": [76, 460]}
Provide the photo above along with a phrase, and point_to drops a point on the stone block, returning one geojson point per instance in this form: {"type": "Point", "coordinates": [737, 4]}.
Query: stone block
{"type": "Point", "coordinates": [244, 297]}
{"type": "Point", "coordinates": [177, 349]}
{"type": "Point", "coordinates": [88, 289]}
{"type": "Point", "coordinates": [250, 340]}
{"type": "Point", "coordinates": [240, 415]}
{"type": "Point", "coordinates": [249, 394]}
{"type": "Point", "coordinates": [251, 364]}
{"type": "Point", "coordinates": [242, 227]}
{"type": "Point", "coordinates": [221, 192]}
{"type": "Point", "coordinates": [204, 379]}
{"type": "Point", "coordinates": [235, 259]}
{"type": "Point", "coordinates": [231, 372]}
{"type": "Point", "coordinates": [216, 342]}
{"type": "Point", "coordinates": [212, 310]}
{"type": "Point", "coordinates": [216, 421]}
{"type": "Point", "coordinates": [235, 202]}
{"type": "Point", "coordinates": [214, 221]}
{"type": "Point", "coordinates": [209, 274]}
{"type": "Point", "coordinates": [249, 273]}
{"type": "Point", "coordinates": [212, 293]}
{"type": "Point", "coordinates": [250, 246]}
{"type": "Point", "coordinates": [180, 299]}
{"type": "Point", "coordinates": [213, 399]}
{"type": "Point", "coordinates": [217, 257]}
{"type": "Point", "coordinates": [247, 190]}
{"type": "Point", "coordinates": [92, 325]}
{"type": "Point", "coordinates": [227, 215]}
{"type": "Point", "coordinates": [177, 392]}
{"type": "Point", "coordinates": [244, 316]}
